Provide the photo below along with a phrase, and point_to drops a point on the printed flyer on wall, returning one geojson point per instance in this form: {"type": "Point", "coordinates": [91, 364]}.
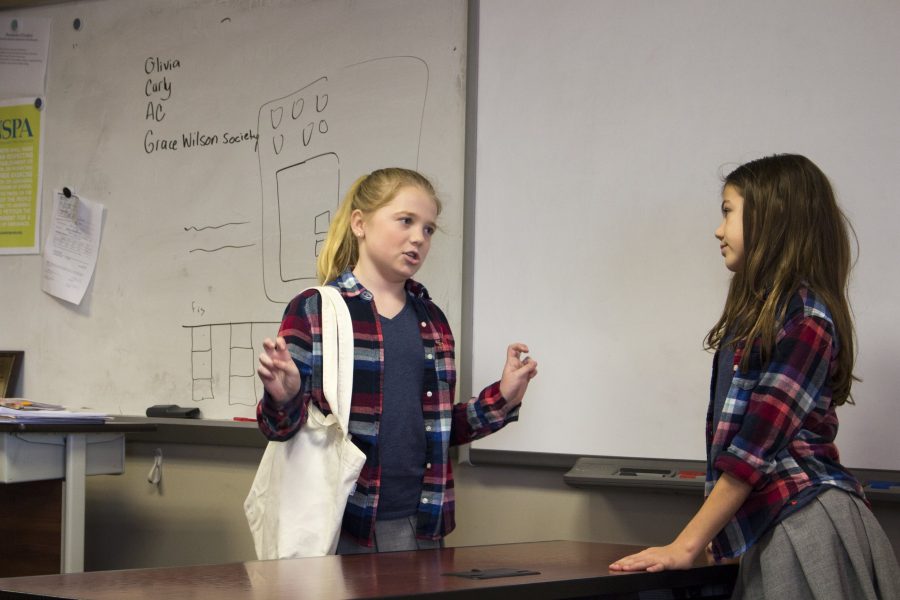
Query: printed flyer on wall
{"type": "Point", "coordinates": [20, 181]}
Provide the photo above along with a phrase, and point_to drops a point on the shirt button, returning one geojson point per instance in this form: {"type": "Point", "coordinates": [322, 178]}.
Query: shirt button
{"type": "Point", "coordinates": [424, 500]}
{"type": "Point", "coordinates": [428, 428]}
{"type": "Point", "coordinates": [423, 324]}
{"type": "Point", "coordinates": [427, 465]}
{"type": "Point", "coordinates": [429, 356]}
{"type": "Point", "coordinates": [429, 394]}
{"type": "Point", "coordinates": [366, 295]}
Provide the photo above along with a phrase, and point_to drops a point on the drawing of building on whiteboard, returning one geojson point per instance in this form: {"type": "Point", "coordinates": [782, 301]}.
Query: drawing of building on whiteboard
{"type": "Point", "coordinates": [313, 143]}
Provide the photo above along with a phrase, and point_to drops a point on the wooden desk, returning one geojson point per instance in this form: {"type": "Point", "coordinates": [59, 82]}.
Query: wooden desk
{"type": "Point", "coordinates": [567, 570]}
{"type": "Point", "coordinates": [32, 457]}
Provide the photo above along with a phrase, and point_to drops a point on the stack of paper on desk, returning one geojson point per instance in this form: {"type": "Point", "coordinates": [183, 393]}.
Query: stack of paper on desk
{"type": "Point", "coordinates": [18, 410]}
{"type": "Point", "coordinates": [22, 403]}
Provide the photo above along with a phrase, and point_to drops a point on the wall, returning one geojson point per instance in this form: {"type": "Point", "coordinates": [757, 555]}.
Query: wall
{"type": "Point", "coordinates": [197, 518]}
{"type": "Point", "coordinates": [194, 517]}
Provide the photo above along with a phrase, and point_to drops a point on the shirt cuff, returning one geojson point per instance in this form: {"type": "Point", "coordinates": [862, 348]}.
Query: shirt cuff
{"type": "Point", "coordinates": [499, 405]}
{"type": "Point", "coordinates": [279, 421]}
{"type": "Point", "coordinates": [740, 469]}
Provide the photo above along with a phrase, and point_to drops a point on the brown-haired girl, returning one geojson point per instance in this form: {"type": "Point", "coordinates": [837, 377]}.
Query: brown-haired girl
{"type": "Point", "coordinates": [777, 494]}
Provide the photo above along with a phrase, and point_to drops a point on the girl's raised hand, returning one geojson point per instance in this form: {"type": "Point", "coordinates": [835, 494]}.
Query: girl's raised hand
{"type": "Point", "coordinates": [277, 370]}
{"type": "Point", "coordinates": [517, 372]}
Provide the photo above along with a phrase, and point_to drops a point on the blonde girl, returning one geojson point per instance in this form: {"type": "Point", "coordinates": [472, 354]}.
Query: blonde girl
{"type": "Point", "coordinates": [403, 415]}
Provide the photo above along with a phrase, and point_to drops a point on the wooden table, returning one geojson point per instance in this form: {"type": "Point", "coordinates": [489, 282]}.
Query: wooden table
{"type": "Point", "coordinates": [567, 570]}
{"type": "Point", "coordinates": [34, 459]}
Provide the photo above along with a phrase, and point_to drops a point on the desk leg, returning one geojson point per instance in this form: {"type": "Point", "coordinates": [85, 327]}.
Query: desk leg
{"type": "Point", "coordinates": [73, 504]}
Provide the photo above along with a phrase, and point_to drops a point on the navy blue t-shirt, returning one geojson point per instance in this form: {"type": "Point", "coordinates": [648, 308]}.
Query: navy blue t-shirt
{"type": "Point", "coordinates": [401, 434]}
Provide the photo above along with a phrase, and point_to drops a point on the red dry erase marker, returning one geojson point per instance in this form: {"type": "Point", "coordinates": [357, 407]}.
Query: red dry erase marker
{"type": "Point", "coordinates": [691, 474]}
{"type": "Point", "coordinates": [244, 419]}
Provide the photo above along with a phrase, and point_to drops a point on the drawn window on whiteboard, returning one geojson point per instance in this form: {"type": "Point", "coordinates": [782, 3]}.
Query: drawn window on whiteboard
{"type": "Point", "coordinates": [306, 195]}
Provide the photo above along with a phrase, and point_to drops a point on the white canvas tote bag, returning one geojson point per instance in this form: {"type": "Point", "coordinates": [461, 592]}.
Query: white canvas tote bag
{"type": "Point", "coordinates": [297, 500]}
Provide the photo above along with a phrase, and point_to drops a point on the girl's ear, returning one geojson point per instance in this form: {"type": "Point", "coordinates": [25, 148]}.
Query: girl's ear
{"type": "Point", "coordinates": [356, 223]}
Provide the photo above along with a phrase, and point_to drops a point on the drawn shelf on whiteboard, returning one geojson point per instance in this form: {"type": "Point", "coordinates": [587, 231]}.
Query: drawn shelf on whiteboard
{"type": "Point", "coordinates": [359, 118]}
{"type": "Point", "coordinates": [223, 362]}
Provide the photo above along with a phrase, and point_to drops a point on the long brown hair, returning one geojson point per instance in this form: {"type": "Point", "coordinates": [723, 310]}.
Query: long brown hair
{"type": "Point", "coordinates": [367, 194]}
{"type": "Point", "coordinates": [795, 234]}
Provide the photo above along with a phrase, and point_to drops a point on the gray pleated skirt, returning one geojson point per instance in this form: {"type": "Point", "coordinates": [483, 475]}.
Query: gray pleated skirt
{"type": "Point", "coordinates": [833, 548]}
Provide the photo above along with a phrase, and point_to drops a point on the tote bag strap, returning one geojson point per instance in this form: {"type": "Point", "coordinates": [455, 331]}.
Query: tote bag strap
{"type": "Point", "coordinates": [337, 354]}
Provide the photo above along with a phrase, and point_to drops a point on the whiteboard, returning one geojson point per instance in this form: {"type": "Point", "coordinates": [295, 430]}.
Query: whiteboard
{"type": "Point", "coordinates": [604, 128]}
{"type": "Point", "coordinates": [221, 136]}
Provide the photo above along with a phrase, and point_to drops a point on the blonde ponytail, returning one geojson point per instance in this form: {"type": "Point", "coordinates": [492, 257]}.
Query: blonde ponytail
{"type": "Point", "coordinates": [340, 251]}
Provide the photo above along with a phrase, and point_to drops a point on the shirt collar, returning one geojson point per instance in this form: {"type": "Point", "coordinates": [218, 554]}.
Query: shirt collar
{"type": "Point", "coordinates": [350, 286]}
